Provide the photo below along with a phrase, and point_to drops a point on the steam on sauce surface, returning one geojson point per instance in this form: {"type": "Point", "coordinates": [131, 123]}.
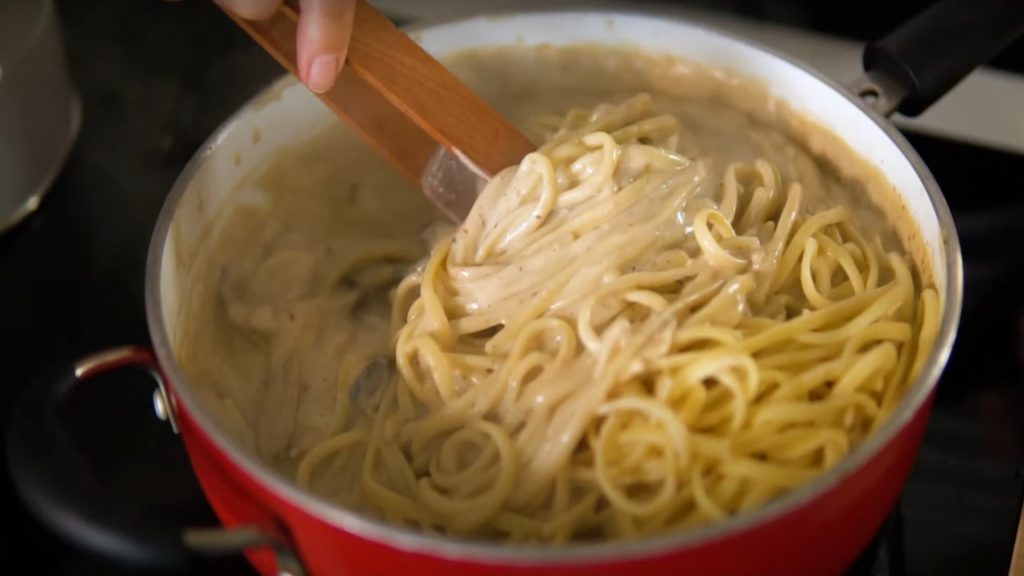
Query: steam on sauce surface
{"type": "Point", "coordinates": [672, 313]}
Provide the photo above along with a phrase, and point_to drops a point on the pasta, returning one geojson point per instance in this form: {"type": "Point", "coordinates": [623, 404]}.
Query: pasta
{"type": "Point", "coordinates": [681, 307]}
{"type": "Point", "coordinates": [611, 345]}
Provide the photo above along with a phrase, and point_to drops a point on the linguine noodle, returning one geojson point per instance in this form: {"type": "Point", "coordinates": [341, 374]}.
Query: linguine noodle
{"type": "Point", "coordinates": [619, 341]}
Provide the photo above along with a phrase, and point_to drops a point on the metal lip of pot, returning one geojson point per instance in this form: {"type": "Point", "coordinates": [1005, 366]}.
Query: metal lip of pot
{"type": "Point", "coordinates": [914, 400]}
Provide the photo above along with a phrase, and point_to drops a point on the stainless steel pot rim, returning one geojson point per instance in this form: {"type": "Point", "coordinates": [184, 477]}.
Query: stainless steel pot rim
{"type": "Point", "coordinates": [581, 553]}
{"type": "Point", "coordinates": [40, 20]}
{"type": "Point", "coordinates": [31, 204]}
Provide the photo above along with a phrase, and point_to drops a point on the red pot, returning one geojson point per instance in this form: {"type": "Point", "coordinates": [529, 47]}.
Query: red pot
{"type": "Point", "coordinates": [817, 529]}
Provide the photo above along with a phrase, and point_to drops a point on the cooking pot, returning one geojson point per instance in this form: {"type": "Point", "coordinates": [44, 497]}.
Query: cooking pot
{"type": "Point", "coordinates": [40, 112]}
{"type": "Point", "coordinates": [816, 529]}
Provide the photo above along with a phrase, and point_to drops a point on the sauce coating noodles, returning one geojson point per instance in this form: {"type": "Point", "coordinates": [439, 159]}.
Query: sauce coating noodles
{"type": "Point", "coordinates": [667, 315]}
{"type": "Point", "coordinates": [608, 348]}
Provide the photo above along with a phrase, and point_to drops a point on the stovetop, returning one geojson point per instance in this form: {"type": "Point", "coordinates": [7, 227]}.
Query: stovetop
{"type": "Point", "coordinates": [157, 77]}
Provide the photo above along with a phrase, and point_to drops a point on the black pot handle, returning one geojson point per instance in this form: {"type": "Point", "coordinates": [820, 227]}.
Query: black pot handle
{"type": "Point", "coordinates": [65, 490]}
{"type": "Point", "coordinates": [912, 67]}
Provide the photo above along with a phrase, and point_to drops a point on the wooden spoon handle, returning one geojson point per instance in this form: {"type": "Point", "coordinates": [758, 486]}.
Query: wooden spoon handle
{"type": "Point", "coordinates": [399, 98]}
{"type": "Point", "coordinates": [1017, 559]}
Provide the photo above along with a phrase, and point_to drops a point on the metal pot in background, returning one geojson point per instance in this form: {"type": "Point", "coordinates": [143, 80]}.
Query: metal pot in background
{"type": "Point", "coordinates": [39, 109]}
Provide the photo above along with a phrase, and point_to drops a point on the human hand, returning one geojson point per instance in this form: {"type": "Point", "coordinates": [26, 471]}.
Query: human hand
{"type": "Point", "coordinates": [323, 33]}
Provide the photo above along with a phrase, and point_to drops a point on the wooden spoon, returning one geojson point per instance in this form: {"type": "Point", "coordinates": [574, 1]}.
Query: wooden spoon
{"type": "Point", "coordinates": [431, 127]}
{"type": "Point", "coordinates": [1017, 559]}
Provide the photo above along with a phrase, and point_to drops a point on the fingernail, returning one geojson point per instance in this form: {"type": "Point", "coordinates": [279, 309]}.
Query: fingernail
{"type": "Point", "coordinates": [323, 72]}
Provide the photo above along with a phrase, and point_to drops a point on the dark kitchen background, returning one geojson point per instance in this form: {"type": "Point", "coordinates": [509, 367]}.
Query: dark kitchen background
{"type": "Point", "coordinates": [157, 77]}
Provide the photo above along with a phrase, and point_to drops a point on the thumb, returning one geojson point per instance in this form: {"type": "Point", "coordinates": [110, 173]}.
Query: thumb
{"type": "Point", "coordinates": [325, 27]}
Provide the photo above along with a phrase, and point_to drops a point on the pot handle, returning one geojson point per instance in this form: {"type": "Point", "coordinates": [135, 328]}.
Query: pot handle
{"type": "Point", "coordinates": [62, 488]}
{"type": "Point", "coordinates": [915, 65]}
{"type": "Point", "coordinates": [65, 490]}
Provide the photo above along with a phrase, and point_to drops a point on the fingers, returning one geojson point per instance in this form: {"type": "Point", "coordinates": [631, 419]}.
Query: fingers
{"type": "Point", "coordinates": [324, 30]}
{"type": "Point", "coordinates": [323, 34]}
{"type": "Point", "coordinates": [250, 9]}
